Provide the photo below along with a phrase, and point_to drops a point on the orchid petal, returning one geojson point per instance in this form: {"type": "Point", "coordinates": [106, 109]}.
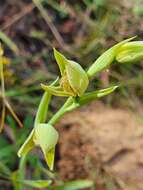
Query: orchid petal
{"type": "Point", "coordinates": [77, 77]}
{"type": "Point", "coordinates": [27, 146]}
{"type": "Point", "coordinates": [61, 60]}
{"type": "Point", "coordinates": [57, 91]}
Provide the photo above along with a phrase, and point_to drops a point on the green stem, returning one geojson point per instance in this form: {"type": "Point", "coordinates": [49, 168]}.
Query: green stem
{"type": "Point", "coordinates": [43, 108]}
{"type": "Point", "coordinates": [40, 118]}
{"type": "Point", "coordinates": [61, 111]}
{"type": "Point", "coordinates": [21, 171]}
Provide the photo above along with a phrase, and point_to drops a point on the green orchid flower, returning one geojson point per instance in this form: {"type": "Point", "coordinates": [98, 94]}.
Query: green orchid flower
{"type": "Point", "coordinates": [44, 136]}
{"type": "Point", "coordinates": [74, 80]}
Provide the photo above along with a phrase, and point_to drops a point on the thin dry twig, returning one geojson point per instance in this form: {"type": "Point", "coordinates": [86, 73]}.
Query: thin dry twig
{"type": "Point", "coordinates": [52, 27]}
{"type": "Point", "coordinates": [26, 10]}
{"type": "Point", "coordinates": [5, 102]}
{"type": "Point", "coordinates": [13, 113]}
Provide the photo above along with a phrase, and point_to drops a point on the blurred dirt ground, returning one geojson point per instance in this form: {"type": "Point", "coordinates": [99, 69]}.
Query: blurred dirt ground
{"type": "Point", "coordinates": [104, 144]}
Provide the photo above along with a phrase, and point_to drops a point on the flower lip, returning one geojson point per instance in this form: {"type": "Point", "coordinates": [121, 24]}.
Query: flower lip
{"type": "Point", "coordinates": [45, 136]}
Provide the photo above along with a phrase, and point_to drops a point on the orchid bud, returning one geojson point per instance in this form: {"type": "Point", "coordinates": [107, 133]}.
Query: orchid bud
{"type": "Point", "coordinates": [130, 52]}
{"type": "Point", "coordinates": [74, 80]}
{"type": "Point", "coordinates": [44, 136]}
{"type": "Point", "coordinates": [105, 59]}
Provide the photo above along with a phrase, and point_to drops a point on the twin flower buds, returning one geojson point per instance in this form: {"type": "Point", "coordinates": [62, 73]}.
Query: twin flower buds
{"type": "Point", "coordinates": [123, 52]}
{"type": "Point", "coordinates": [74, 82]}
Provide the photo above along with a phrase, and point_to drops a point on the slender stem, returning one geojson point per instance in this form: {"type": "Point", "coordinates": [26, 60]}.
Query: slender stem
{"type": "Point", "coordinates": [49, 22]}
{"type": "Point", "coordinates": [5, 103]}
{"type": "Point", "coordinates": [12, 112]}
{"type": "Point", "coordinates": [3, 94]}
{"type": "Point", "coordinates": [21, 172]}
{"type": "Point", "coordinates": [2, 78]}
{"type": "Point", "coordinates": [43, 108]}
{"type": "Point", "coordinates": [61, 111]}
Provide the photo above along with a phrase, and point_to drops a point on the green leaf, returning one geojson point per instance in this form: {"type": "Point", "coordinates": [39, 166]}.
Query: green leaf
{"type": "Point", "coordinates": [9, 42]}
{"type": "Point", "coordinates": [15, 183]}
{"type": "Point", "coordinates": [37, 183]}
{"type": "Point", "coordinates": [88, 97]}
{"type": "Point", "coordinates": [6, 151]}
{"type": "Point", "coordinates": [138, 10]}
{"type": "Point", "coordinates": [4, 169]}
{"type": "Point", "coordinates": [105, 59]}
{"type": "Point", "coordinates": [61, 60]}
{"type": "Point", "coordinates": [75, 185]}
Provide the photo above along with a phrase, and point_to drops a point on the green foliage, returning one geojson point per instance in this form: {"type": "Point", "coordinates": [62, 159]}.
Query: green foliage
{"type": "Point", "coordinates": [37, 183]}
{"type": "Point", "coordinates": [9, 42]}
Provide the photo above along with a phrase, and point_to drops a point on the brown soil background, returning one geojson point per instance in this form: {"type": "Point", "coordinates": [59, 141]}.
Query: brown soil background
{"type": "Point", "coordinates": [103, 144]}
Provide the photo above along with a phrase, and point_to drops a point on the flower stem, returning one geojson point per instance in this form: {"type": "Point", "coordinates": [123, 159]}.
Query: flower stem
{"type": "Point", "coordinates": [43, 108]}
{"type": "Point", "coordinates": [61, 111]}
{"type": "Point", "coordinates": [21, 171]}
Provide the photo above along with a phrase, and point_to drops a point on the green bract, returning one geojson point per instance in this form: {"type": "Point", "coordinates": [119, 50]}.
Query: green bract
{"type": "Point", "coordinates": [74, 80]}
{"type": "Point", "coordinates": [130, 52]}
{"type": "Point", "coordinates": [46, 137]}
